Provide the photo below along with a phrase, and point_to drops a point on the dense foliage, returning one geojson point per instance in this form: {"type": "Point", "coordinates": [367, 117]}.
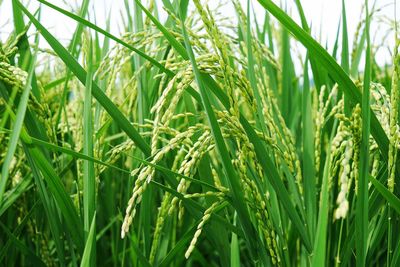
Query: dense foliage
{"type": "Point", "coordinates": [197, 140]}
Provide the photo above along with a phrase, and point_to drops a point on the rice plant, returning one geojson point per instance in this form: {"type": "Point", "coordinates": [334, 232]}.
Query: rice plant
{"type": "Point", "coordinates": [198, 138]}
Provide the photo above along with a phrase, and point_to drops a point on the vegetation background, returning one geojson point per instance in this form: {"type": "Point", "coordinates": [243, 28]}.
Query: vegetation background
{"type": "Point", "coordinates": [175, 133]}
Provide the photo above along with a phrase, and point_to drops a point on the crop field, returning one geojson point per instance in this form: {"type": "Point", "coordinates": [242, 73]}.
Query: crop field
{"type": "Point", "coordinates": [198, 137]}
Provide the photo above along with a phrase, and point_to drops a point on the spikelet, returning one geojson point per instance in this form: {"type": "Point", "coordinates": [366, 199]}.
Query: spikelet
{"type": "Point", "coordinates": [220, 45]}
{"type": "Point", "coordinates": [394, 140]}
{"type": "Point", "coordinates": [343, 203]}
{"type": "Point", "coordinates": [189, 163]}
{"type": "Point", "coordinates": [146, 174]}
{"type": "Point", "coordinates": [356, 137]}
{"type": "Point", "coordinates": [162, 213]}
{"type": "Point", "coordinates": [258, 204]}
{"type": "Point", "coordinates": [12, 75]}
{"type": "Point", "coordinates": [204, 219]}
{"type": "Point", "coordinates": [319, 119]}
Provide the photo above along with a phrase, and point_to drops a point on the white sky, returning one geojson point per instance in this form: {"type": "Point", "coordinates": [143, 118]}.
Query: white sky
{"type": "Point", "coordinates": [324, 16]}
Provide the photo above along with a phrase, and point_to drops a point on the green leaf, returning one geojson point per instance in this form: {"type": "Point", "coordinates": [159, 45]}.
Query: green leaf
{"type": "Point", "coordinates": [320, 243]}
{"type": "Point", "coordinates": [345, 55]}
{"type": "Point", "coordinates": [392, 199]}
{"type": "Point", "coordinates": [15, 193]}
{"type": "Point", "coordinates": [235, 251]}
{"type": "Point", "coordinates": [90, 241]}
{"type": "Point", "coordinates": [89, 180]}
{"type": "Point", "coordinates": [362, 189]}
{"type": "Point", "coordinates": [309, 176]}
{"type": "Point", "coordinates": [63, 200]}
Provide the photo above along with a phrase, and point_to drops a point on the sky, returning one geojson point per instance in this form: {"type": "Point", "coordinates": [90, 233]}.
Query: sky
{"type": "Point", "coordinates": [323, 15]}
